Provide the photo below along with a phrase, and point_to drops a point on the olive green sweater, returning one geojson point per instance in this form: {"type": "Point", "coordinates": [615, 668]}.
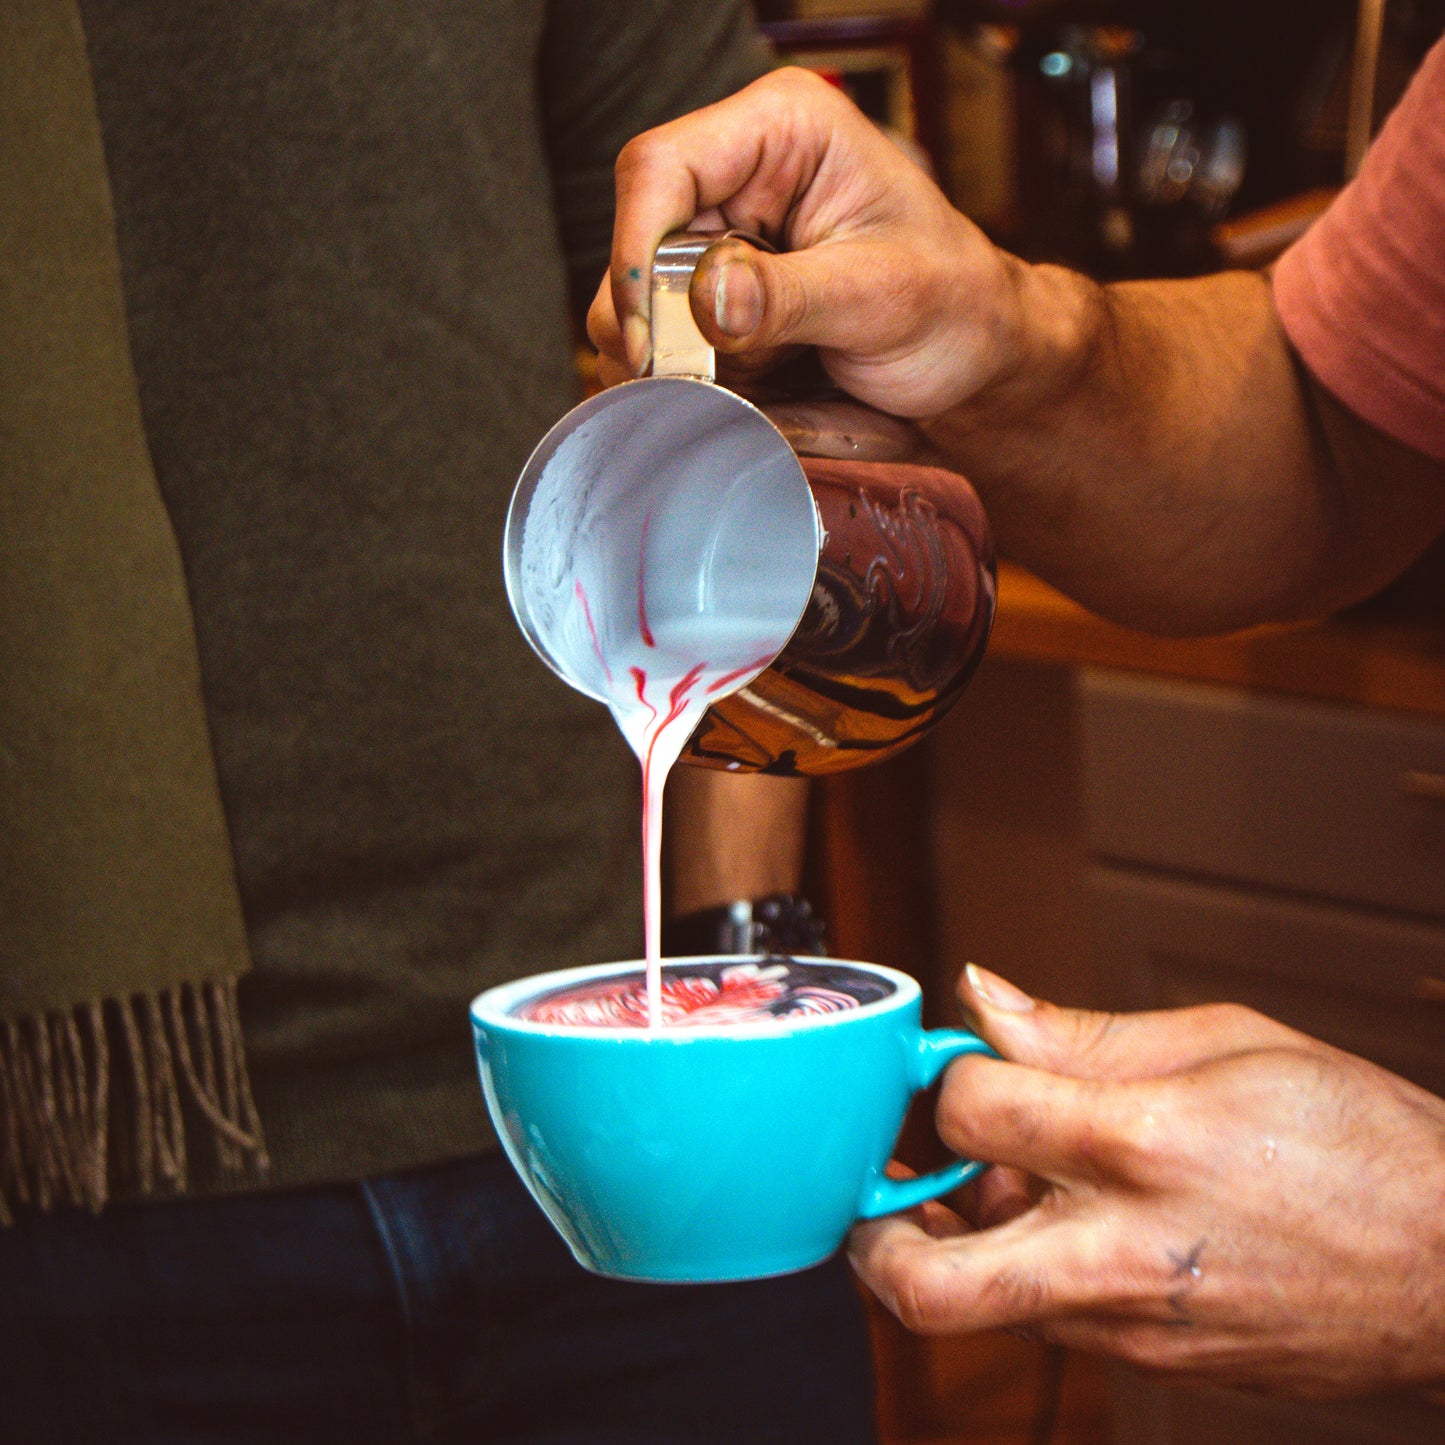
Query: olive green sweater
{"type": "Point", "coordinates": [347, 235]}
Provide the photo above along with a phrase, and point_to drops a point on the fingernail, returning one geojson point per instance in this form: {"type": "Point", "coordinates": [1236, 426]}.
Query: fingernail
{"type": "Point", "coordinates": [637, 338]}
{"type": "Point", "coordinates": [997, 992]}
{"type": "Point", "coordinates": [738, 299]}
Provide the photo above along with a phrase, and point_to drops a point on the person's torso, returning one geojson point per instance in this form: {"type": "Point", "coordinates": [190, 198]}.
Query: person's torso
{"type": "Point", "coordinates": [348, 316]}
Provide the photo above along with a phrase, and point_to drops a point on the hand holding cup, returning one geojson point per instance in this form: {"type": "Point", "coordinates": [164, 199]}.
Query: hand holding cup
{"type": "Point", "coordinates": [1215, 1195]}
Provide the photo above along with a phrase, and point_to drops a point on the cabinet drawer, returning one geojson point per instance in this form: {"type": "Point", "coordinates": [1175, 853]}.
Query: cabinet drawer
{"type": "Point", "coordinates": [1372, 985]}
{"type": "Point", "coordinates": [1310, 798]}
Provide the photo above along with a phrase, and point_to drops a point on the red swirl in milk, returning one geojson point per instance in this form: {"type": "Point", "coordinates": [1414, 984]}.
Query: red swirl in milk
{"type": "Point", "coordinates": [745, 993]}
{"type": "Point", "coordinates": [820, 1001]}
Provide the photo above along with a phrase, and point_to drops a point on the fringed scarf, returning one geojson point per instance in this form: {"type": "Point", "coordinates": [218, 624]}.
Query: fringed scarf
{"type": "Point", "coordinates": [121, 935]}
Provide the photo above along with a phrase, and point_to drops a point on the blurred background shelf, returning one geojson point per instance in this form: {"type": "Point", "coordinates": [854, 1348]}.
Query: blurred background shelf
{"type": "Point", "coordinates": [1389, 654]}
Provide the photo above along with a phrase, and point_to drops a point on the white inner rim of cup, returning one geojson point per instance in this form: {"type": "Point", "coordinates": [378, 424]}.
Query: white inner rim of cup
{"type": "Point", "coordinates": [495, 1007]}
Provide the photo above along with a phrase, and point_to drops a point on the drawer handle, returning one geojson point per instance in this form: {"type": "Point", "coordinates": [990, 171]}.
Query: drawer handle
{"type": "Point", "coordinates": [1417, 784]}
{"type": "Point", "coordinates": [1431, 990]}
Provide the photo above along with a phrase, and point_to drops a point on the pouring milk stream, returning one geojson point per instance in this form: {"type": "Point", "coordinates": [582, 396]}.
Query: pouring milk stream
{"type": "Point", "coordinates": [673, 652]}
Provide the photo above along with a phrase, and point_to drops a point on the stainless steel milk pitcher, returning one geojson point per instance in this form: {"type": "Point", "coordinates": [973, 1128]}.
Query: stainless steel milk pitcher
{"type": "Point", "coordinates": [853, 580]}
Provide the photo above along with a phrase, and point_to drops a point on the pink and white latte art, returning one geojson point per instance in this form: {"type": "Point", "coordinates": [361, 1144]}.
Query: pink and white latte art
{"type": "Point", "coordinates": [745, 993]}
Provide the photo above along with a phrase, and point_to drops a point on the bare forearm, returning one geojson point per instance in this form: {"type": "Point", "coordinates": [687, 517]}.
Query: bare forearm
{"type": "Point", "coordinates": [1152, 448]}
{"type": "Point", "coordinates": [732, 835]}
{"type": "Point", "coordinates": [1153, 453]}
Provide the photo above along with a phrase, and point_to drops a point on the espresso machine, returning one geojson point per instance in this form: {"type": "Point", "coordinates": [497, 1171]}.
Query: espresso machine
{"type": "Point", "coordinates": [1140, 125]}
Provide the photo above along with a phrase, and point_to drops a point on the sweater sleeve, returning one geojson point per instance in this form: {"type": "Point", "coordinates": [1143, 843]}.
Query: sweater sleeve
{"type": "Point", "coordinates": [1362, 293]}
{"type": "Point", "coordinates": [613, 68]}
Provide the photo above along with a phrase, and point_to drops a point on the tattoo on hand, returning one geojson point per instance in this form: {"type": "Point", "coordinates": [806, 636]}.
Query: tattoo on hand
{"type": "Point", "coordinates": [1188, 1269]}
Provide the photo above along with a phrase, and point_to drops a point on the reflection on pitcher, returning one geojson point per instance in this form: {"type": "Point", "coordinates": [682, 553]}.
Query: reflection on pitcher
{"type": "Point", "coordinates": [896, 625]}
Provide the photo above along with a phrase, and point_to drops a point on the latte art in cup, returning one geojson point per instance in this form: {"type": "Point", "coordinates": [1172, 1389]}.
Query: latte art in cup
{"type": "Point", "coordinates": [699, 993]}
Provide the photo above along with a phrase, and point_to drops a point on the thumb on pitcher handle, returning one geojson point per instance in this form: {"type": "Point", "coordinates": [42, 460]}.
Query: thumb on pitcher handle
{"type": "Point", "coordinates": [936, 1049]}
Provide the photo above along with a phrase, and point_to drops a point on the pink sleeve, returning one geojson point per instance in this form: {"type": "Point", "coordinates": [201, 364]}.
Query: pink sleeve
{"type": "Point", "coordinates": [1362, 293]}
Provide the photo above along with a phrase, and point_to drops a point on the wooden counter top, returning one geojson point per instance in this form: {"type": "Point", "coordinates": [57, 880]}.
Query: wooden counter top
{"type": "Point", "coordinates": [1376, 656]}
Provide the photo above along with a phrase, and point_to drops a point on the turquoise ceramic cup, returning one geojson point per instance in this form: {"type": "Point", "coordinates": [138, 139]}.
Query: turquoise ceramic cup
{"type": "Point", "coordinates": [717, 1152]}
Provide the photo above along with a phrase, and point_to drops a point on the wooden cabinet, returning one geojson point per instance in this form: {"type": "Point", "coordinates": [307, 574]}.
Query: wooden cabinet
{"type": "Point", "coordinates": [1285, 854]}
{"type": "Point", "coordinates": [1301, 797]}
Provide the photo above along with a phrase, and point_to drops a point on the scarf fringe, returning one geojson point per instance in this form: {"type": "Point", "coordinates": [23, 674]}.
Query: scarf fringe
{"type": "Point", "coordinates": [156, 1058]}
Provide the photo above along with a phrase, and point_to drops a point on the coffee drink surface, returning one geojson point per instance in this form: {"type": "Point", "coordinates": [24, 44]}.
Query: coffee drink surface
{"type": "Point", "coordinates": [696, 994]}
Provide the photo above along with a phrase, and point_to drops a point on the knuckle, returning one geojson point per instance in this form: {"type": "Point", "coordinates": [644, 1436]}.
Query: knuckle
{"type": "Point", "coordinates": [1135, 1142]}
{"type": "Point", "coordinates": [1088, 1036]}
{"type": "Point", "coordinates": [896, 296]}
{"type": "Point", "coordinates": [1015, 1295]}
{"type": "Point", "coordinates": [642, 153]}
{"type": "Point", "coordinates": [630, 157]}
{"type": "Point", "coordinates": [787, 303]}
{"type": "Point", "coordinates": [953, 1118]}
{"type": "Point", "coordinates": [1150, 1346]}
{"type": "Point", "coordinates": [797, 96]}
{"type": "Point", "coordinates": [1237, 1027]}
{"type": "Point", "coordinates": [1123, 1137]}
{"type": "Point", "coordinates": [601, 316]}
{"type": "Point", "coordinates": [798, 80]}
{"type": "Point", "coordinates": [923, 1303]}
{"type": "Point", "coordinates": [1141, 1272]}
{"type": "Point", "coordinates": [1233, 1018]}
{"type": "Point", "coordinates": [1095, 1031]}
{"type": "Point", "coordinates": [971, 1106]}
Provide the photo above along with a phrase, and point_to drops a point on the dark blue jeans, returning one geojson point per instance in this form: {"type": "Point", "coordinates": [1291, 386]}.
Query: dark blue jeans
{"type": "Point", "coordinates": [433, 1306]}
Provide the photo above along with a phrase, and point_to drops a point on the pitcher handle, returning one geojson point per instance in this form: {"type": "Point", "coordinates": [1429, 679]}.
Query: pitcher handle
{"type": "Point", "coordinates": [678, 347]}
{"type": "Point", "coordinates": [937, 1048]}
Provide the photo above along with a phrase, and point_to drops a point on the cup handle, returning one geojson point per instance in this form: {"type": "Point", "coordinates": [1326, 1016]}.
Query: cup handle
{"type": "Point", "coordinates": [936, 1049]}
